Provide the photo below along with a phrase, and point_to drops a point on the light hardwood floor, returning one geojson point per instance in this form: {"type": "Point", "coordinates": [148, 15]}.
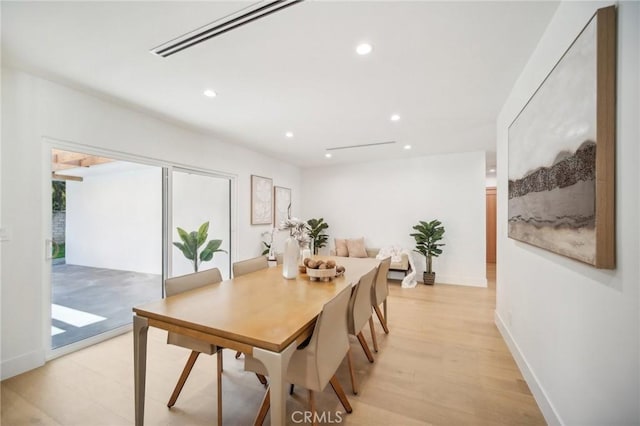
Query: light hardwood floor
{"type": "Point", "coordinates": [444, 363]}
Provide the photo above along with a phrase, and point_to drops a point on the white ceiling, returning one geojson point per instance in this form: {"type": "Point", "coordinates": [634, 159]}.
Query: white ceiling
{"type": "Point", "coordinates": [445, 67]}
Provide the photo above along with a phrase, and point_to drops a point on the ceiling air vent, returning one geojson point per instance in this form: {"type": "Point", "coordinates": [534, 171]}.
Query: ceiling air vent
{"type": "Point", "coordinates": [221, 26]}
{"type": "Point", "coordinates": [364, 145]}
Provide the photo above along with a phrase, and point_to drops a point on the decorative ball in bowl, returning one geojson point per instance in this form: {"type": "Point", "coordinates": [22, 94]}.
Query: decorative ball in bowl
{"type": "Point", "coordinates": [322, 270]}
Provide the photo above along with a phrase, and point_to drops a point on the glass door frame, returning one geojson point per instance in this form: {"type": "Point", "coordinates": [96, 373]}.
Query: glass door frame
{"type": "Point", "coordinates": [49, 143]}
{"type": "Point", "coordinates": [168, 249]}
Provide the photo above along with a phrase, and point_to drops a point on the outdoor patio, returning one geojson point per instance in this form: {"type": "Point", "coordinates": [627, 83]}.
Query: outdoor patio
{"type": "Point", "coordinates": [88, 301]}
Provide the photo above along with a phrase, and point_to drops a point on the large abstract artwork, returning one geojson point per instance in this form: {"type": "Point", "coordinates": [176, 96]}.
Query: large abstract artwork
{"type": "Point", "coordinates": [561, 153]}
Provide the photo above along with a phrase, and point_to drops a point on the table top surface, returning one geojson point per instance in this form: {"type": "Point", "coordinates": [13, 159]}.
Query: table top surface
{"type": "Point", "coordinates": [261, 309]}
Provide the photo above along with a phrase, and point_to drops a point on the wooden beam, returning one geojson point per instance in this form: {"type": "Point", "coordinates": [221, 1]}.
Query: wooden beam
{"type": "Point", "coordinates": [56, 176]}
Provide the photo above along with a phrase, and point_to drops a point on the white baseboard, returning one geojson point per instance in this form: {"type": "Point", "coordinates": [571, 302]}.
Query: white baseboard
{"type": "Point", "coordinates": [18, 365]}
{"type": "Point", "coordinates": [449, 279]}
{"type": "Point", "coordinates": [546, 407]}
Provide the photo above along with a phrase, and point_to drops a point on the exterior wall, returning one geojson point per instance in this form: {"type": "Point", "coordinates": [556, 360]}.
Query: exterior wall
{"type": "Point", "coordinates": [58, 221]}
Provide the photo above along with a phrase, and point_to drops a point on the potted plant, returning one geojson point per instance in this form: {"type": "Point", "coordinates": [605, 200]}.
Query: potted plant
{"type": "Point", "coordinates": [427, 237]}
{"type": "Point", "coordinates": [268, 246]}
{"type": "Point", "coordinates": [192, 241]}
{"type": "Point", "coordinates": [316, 232]}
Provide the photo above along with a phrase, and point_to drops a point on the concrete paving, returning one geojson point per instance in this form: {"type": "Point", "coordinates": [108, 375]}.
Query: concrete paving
{"type": "Point", "coordinates": [108, 293]}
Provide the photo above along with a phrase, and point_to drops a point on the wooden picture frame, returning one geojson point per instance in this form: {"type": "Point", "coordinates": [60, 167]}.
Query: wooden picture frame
{"type": "Point", "coordinates": [281, 204]}
{"type": "Point", "coordinates": [562, 152]}
{"type": "Point", "coordinates": [261, 200]}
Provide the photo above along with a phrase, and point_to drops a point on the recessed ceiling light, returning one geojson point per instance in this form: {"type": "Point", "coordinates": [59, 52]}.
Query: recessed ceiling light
{"type": "Point", "coordinates": [364, 49]}
{"type": "Point", "coordinates": [407, 147]}
{"type": "Point", "coordinates": [328, 155]}
{"type": "Point", "coordinates": [492, 170]}
{"type": "Point", "coordinates": [210, 93]}
{"type": "Point", "coordinates": [395, 117]}
{"type": "Point", "coordinates": [289, 134]}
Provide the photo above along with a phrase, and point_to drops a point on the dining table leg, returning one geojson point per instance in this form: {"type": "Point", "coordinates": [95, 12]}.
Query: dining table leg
{"type": "Point", "coordinates": [140, 328]}
{"type": "Point", "coordinates": [276, 364]}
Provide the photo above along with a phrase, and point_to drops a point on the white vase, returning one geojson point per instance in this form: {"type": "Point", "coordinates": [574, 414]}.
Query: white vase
{"type": "Point", "coordinates": [290, 258]}
{"type": "Point", "coordinates": [304, 253]}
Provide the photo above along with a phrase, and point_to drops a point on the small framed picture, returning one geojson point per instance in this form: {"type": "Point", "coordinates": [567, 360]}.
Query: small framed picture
{"type": "Point", "coordinates": [261, 200]}
{"type": "Point", "coordinates": [281, 203]}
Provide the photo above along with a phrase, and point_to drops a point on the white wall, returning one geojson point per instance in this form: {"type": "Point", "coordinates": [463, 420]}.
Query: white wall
{"type": "Point", "coordinates": [198, 199]}
{"type": "Point", "coordinates": [381, 201]}
{"type": "Point", "coordinates": [114, 218]}
{"type": "Point", "coordinates": [34, 108]}
{"type": "Point", "coordinates": [574, 329]}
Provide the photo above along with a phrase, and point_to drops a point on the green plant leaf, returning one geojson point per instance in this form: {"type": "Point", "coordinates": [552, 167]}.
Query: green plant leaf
{"type": "Point", "coordinates": [184, 236]}
{"type": "Point", "coordinates": [185, 250]}
{"type": "Point", "coordinates": [203, 232]}
{"type": "Point", "coordinates": [211, 248]}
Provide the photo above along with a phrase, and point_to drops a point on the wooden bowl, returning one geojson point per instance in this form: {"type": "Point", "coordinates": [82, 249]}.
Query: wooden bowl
{"type": "Point", "coordinates": [321, 274]}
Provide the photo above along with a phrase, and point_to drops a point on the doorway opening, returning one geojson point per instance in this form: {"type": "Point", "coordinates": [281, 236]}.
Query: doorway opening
{"type": "Point", "coordinates": [107, 243]}
{"type": "Point", "coordinates": [491, 236]}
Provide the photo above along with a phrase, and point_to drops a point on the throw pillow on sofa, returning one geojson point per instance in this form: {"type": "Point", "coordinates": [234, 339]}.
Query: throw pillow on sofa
{"type": "Point", "coordinates": [356, 248]}
{"type": "Point", "coordinates": [341, 247]}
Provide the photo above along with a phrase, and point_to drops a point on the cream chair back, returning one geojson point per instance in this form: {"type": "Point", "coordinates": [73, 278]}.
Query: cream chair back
{"type": "Point", "coordinates": [360, 303]}
{"type": "Point", "coordinates": [250, 265]}
{"type": "Point", "coordinates": [330, 341]}
{"type": "Point", "coordinates": [188, 282]}
{"type": "Point", "coordinates": [380, 289]}
{"type": "Point", "coordinates": [177, 285]}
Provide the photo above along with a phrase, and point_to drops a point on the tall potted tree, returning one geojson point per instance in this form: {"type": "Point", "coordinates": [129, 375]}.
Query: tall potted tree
{"type": "Point", "coordinates": [427, 236]}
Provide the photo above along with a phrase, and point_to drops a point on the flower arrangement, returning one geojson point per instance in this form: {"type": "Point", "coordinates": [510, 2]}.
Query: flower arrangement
{"type": "Point", "coordinates": [298, 229]}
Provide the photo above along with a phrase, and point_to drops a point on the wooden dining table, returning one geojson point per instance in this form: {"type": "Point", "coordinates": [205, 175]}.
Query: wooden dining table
{"type": "Point", "coordinates": [261, 313]}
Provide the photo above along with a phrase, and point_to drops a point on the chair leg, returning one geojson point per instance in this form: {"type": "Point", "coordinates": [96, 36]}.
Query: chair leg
{"type": "Point", "coordinates": [365, 346]}
{"type": "Point", "coordinates": [238, 354]}
{"type": "Point", "coordinates": [337, 388]}
{"type": "Point", "coordinates": [264, 408]}
{"type": "Point", "coordinates": [373, 334]}
{"type": "Point", "coordinates": [183, 378]}
{"type": "Point", "coordinates": [383, 320]}
{"type": "Point", "coordinates": [262, 379]}
{"type": "Point", "coordinates": [354, 384]}
{"type": "Point", "coordinates": [219, 379]}
{"type": "Point", "coordinates": [312, 404]}
{"type": "Point", "coordinates": [384, 306]}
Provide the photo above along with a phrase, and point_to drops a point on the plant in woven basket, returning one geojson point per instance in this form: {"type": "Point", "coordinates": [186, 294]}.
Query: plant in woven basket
{"type": "Point", "coordinates": [427, 239]}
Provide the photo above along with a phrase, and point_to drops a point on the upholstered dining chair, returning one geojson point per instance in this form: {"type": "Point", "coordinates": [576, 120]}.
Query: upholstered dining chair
{"type": "Point", "coordinates": [358, 314]}
{"type": "Point", "coordinates": [248, 266]}
{"type": "Point", "coordinates": [379, 293]}
{"type": "Point", "coordinates": [178, 285]}
{"type": "Point", "coordinates": [314, 366]}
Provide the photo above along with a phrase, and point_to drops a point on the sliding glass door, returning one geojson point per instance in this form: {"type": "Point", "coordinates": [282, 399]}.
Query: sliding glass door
{"type": "Point", "coordinates": [107, 243]}
{"type": "Point", "coordinates": [110, 220]}
{"type": "Point", "coordinates": [199, 199]}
